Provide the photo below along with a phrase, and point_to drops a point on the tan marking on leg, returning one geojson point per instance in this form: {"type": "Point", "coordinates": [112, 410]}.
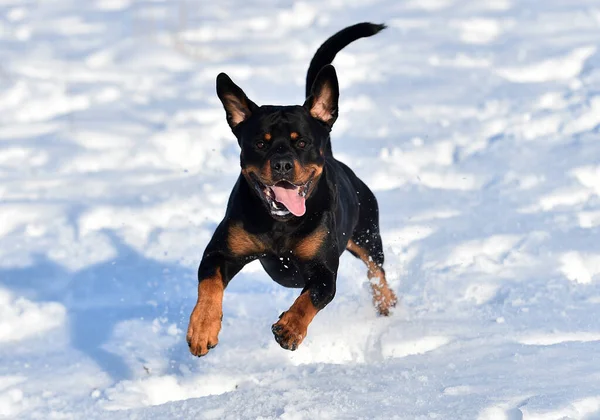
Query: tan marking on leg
{"type": "Point", "coordinates": [205, 320]}
{"type": "Point", "coordinates": [308, 247]}
{"type": "Point", "coordinates": [243, 243]}
{"type": "Point", "coordinates": [293, 324]}
{"type": "Point", "coordinates": [384, 298]}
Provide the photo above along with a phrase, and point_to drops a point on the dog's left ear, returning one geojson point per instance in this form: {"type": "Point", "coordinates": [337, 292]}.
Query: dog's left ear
{"type": "Point", "coordinates": [238, 107]}
{"type": "Point", "coordinates": [323, 100]}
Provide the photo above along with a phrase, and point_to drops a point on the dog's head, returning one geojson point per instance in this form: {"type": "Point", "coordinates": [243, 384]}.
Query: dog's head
{"type": "Point", "coordinates": [282, 147]}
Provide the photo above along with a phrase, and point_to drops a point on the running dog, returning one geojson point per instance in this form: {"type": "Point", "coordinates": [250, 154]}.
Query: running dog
{"type": "Point", "coordinates": [294, 207]}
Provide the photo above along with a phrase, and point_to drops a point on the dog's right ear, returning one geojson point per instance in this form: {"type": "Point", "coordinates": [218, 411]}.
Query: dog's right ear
{"type": "Point", "coordinates": [238, 107]}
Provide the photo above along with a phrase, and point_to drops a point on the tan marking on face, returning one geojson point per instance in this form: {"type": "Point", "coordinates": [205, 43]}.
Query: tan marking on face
{"type": "Point", "coordinates": [264, 174]}
{"type": "Point", "coordinates": [384, 298]}
{"type": "Point", "coordinates": [205, 320]}
{"type": "Point", "coordinates": [294, 135]}
{"type": "Point", "coordinates": [292, 327]}
{"type": "Point", "coordinates": [242, 243]}
{"type": "Point", "coordinates": [267, 137]}
{"type": "Point", "coordinates": [303, 174]}
{"type": "Point", "coordinates": [308, 247]}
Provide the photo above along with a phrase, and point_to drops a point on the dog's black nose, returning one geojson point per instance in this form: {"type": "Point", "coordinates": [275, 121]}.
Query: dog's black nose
{"type": "Point", "coordinates": [282, 166]}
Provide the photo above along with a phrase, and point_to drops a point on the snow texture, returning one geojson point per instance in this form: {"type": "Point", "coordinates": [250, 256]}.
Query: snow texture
{"type": "Point", "coordinates": [476, 123]}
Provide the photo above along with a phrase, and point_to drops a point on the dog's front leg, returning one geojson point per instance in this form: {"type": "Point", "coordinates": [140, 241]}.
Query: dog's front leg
{"type": "Point", "coordinates": [230, 248]}
{"type": "Point", "coordinates": [205, 321]}
{"type": "Point", "coordinates": [292, 326]}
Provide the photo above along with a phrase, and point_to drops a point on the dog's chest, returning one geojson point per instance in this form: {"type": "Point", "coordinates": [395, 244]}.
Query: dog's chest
{"type": "Point", "coordinates": [302, 246]}
{"type": "Point", "coordinates": [283, 269]}
{"type": "Point", "coordinates": [281, 244]}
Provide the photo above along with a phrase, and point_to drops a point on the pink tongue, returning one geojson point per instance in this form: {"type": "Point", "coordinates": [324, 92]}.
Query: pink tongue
{"type": "Point", "coordinates": [289, 197]}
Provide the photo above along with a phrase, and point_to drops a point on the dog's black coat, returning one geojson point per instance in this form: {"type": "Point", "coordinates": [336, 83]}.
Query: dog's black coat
{"type": "Point", "coordinates": [285, 145]}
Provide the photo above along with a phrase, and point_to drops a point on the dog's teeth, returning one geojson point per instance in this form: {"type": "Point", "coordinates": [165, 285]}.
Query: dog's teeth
{"type": "Point", "coordinates": [280, 212]}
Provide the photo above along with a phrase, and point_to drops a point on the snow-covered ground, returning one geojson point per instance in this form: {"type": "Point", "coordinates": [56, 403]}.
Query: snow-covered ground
{"type": "Point", "coordinates": [476, 123]}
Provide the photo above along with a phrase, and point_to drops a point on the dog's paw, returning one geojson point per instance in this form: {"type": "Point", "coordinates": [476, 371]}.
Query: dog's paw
{"type": "Point", "coordinates": [203, 331]}
{"type": "Point", "coordinates": [289, 331]}
{"type": "Point", "coordinates": [384, 300]}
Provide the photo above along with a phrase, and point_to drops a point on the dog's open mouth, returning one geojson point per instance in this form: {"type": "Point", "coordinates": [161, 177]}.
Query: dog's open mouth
{"type": "Point", "coordinates": [284, 198]}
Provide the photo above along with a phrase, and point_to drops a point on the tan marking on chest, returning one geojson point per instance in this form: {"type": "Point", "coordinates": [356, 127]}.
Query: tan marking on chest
{"type": "Point", "coordinates": [308, 247]}
{"type": "Point", "coordinates": [243, 243]}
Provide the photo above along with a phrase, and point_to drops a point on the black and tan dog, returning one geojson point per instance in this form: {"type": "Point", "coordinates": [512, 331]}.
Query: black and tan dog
{"type": "Point", "coordinates": [294, 207]}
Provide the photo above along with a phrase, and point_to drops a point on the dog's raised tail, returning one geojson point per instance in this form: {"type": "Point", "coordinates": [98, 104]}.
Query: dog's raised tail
{"type": "Point", "coordinates": [327, 52]}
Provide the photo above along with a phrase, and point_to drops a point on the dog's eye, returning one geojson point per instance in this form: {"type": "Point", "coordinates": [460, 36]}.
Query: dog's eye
{"type": "Point", "coordinates": [260, 144]}
{"type": "Point", "coordinates": [301, 144]}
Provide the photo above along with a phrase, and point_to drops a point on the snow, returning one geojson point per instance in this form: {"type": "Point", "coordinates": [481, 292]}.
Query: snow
{"type": "Point", "coordinates": [476, 123]}
{"type": "Point", "coordinates": [21, 318]}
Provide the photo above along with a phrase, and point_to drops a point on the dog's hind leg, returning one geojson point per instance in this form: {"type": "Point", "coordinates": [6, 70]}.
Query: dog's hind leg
{"type": "Point", "coordinates": [366, 245]}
